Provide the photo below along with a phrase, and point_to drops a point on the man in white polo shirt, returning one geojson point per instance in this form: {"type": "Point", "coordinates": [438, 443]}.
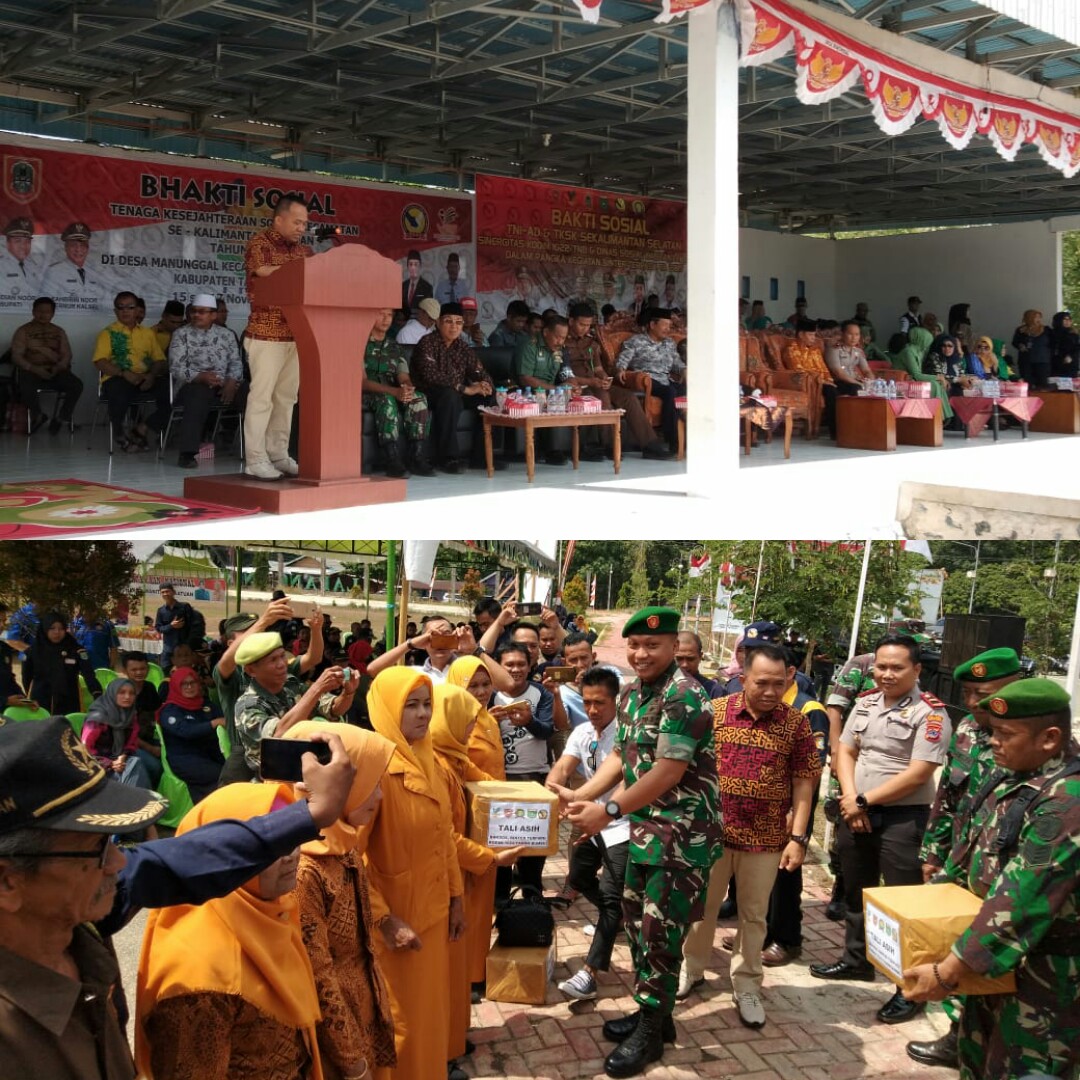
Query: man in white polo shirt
{"type": "Point", "coordinates": [586, 749]}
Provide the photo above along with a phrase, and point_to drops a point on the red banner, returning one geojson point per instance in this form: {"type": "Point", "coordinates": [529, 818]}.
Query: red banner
{"type": "Point", "coordinates": [166, 230]}
{"type": "Point", "coordinates": [551, 244]}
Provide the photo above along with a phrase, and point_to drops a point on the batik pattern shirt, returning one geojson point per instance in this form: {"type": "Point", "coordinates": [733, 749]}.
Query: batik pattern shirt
{"type": "Point", "coordinates": [269, 248]}
{"type": "Point", "coordinates": [193, 351]}
{"type": "Point", "coordinates": [658, 359]}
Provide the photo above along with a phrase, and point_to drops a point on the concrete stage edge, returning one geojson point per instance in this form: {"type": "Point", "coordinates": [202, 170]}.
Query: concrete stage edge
{"type": "Point", "coordinates": [293, 496]}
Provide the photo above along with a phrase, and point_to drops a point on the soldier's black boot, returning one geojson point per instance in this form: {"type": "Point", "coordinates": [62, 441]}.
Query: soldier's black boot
{"type": "Point", "coordinates": [836, 908]}
{"type": "Point", "coordinates": [644, 1045]}
{"type": "Point", "coordinates": [617, 1030]}
{"type": "Point", "coordinates": [418, 461]}
{"type": "Point", "coordinates": [939, 1052]}
{"type": "Point", "coordinates": [395, 467]}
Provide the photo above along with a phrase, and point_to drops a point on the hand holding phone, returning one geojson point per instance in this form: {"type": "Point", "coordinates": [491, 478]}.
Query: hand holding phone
{"type": "Point", "coordinates": [281, 759]}
{"type": "Point", "coordinates": [530, 608]}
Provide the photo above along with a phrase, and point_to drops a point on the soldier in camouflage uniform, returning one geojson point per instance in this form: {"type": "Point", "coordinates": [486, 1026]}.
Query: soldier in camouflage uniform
{"type": "Point", "coordinates": [1022, 854]}
{"type": "Point", "coordinates": [388, 392]}
{"type": "Point", "coordinates": [665, 758]}
{"type": "Point", "coordinates": [969, 762]}
{"type": "Point", "coordinates": [856, 677]}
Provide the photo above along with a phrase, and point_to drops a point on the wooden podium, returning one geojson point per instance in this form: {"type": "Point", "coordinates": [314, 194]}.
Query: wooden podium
{"type": "Point", "coordinates": [330, 301]}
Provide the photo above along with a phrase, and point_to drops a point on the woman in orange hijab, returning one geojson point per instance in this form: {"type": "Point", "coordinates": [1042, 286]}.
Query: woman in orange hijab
{"type": "Point", "coordinates": [485, 743]}
{"type": "Point", "coordinates": [415, 882]}
{"type": "Point", "coordinates": [357, 1029]}
{"type": "Point", "coordinates": [225, 989]}
{"type": "Point", "coordinates": [452, 723]}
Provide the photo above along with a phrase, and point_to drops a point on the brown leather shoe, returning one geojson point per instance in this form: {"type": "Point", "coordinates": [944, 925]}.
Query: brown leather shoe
{"type": "Point", "coordinates": [728, 943]}
{"type": "Point", "coordinates": [776, 955]}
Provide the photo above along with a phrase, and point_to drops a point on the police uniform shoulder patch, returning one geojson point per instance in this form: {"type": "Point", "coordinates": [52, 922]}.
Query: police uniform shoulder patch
{"type": "Point", "coordinates": [933, 701]}
{"type": "Point", "coordinates": [867, 693]}
{"type": "Point", "coordinates": [933, 729]}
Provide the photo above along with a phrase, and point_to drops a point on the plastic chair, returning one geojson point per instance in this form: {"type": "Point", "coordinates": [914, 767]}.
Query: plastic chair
{"type": "Point", "coordinates": [105, 675]}
{"type": "Point", "coordinates": [86, 699]}
{"type": "Point", "coordinates": [172, 788]}
{"type": "Point", "coordinates": [155, 676]}
{"type": "Point", "coordinates": [76, 720]}
{"type": "Point", "coordinates": [24, 712]}
{"type": "Point", "coordinates": [224, 741]}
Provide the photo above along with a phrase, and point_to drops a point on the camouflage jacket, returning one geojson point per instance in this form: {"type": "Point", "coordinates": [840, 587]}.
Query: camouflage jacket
{"type": "Point", "coordinates": [1031, 903]}
{"type": "Point", "coordinates": [969, 763]}
{"type": "Point", "coordinates": [855, 678]}
{"type": "Point", "coordinates": [671, 718]}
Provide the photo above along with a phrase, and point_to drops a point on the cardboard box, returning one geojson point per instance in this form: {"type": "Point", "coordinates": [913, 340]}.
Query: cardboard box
{"type": "Point", "coordinates": [520, 975]}
{"type": "Point", "coordinates": [514, 813]}
{"type": "Point", "coordinates": [908, 925]}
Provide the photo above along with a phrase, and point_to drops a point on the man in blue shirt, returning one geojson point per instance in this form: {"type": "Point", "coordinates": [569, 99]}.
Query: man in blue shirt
{"type": "Point", "coordinates": [97, 635]}
{"type": "Point", "coordinates": [171, 622]}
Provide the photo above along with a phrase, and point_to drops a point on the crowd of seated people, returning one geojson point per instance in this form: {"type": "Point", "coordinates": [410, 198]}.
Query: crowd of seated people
{"type": "Point", "coordinates": [839, 357]}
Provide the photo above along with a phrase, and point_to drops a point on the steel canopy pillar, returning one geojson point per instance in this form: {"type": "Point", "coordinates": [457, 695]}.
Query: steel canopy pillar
{"type": "Point", "coordinates": [712, 419]}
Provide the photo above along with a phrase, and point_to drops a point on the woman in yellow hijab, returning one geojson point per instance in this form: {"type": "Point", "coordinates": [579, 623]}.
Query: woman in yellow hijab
{"type": "Point", "coordinates": [485, 743]}
{"type": "Point", "coordinates": [454, 718]}
{"type": "Point", "coordinates": [415, 882]}
{"type": "Point", "coordinates": [225, 989]}
{"type": "Point", "coordinates": [357, 1029]}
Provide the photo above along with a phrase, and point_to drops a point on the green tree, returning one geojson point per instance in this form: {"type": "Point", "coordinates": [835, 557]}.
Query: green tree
{"type": "Point", "coordinates": [811, 586]}
{"type": "Point", "coordinates": [1070, 270]}
{"type": "Point", "coordinates": [65, 575]}
{"type": "Point", "coordinates": [260, 578]}
{"type": "Point", "coordinates": [471, 590]}
{"type": "Point", "coordinates": [575, 594]}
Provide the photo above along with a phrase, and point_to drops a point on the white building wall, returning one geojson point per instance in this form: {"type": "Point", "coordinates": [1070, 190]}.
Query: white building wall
{"type": "Point", "coordinates": [1001, 270]}
{"type": "Point", "coordinates": [790, 259]}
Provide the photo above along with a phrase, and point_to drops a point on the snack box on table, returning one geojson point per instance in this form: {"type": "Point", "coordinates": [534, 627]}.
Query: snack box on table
{"type": "Point", "coordinates": [514, 813]}
{"type": "Point", "coordinates": [907, 925]}
{"type": "Point", "coordinates": [584, 405]}
{"type": "Point", "coordinates": [913, 389]}
{"type": "Point", "coordinates": [520, 975]}
{"type": "Point", "coordinates": [1019, 389]}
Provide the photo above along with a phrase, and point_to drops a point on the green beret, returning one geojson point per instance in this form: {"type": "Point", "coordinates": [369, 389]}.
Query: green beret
{"type": "Point", "coordinates": [989, 665]}
{"type": "Point", "coordinates": [256, 646]}
{"type": "Point", "coordinates": [653, 620]}
{"type": "Point", "coordinates": [1026, 698]}
{"type": "Point", "coordinates": [237, 624]}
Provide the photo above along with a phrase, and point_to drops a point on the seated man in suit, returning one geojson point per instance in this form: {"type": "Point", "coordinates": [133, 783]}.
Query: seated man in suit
{"type": "Point", "coordinates": [445, 368]}
{"type": "Point", "coordinates": [653, 352]}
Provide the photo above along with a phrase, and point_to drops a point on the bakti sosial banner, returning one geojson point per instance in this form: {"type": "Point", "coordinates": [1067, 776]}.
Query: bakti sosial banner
{"type": "Point", "coordinates": [81, 224]}
{"type": "Point", "coordinates": [551, 244]}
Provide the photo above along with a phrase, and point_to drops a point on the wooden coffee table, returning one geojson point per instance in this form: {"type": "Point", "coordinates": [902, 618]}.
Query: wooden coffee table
{"type": "Point", "coordinates": [1060, 412]}
{"type": "Point", "coordinates": [865, 423]}
{"type": "Point", "coordinates": [576, 421]}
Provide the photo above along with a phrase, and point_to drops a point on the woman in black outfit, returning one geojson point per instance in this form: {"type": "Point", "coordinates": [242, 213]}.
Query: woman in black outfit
{"type": "Point", "coordinates": [53, 666]}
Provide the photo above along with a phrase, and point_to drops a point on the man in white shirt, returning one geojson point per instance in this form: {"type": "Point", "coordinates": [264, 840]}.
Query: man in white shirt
{"type": "Point", "coordinates": [586, 749]}
{"type": "Point", "coordinates": [427, 315]}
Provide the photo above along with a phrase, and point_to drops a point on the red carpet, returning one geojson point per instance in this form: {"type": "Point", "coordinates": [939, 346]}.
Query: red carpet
{"type": "Point", "coordinates": [52, 508]}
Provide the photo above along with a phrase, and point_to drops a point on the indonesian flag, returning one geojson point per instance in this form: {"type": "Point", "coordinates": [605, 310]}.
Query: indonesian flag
{"type": "Point", "coordinates": [590, 10]}
{"type": "Point", "coordinates": [919, 547]}
{"type": "Point", "coordinates": [699, 564]}
{"type": "Point", "coordinates": [728, 574]}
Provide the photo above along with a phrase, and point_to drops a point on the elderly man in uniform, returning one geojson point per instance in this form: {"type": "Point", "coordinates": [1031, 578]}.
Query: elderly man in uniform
{"type": "Point", "coordinates": [895, 739]}
{"type": "Point", "coordinates": [1021, 857]}
{"type": "Point", "coordinates": [767, 763]}
{"type": "Point", "coordinates": [663, 754]}
{"type": "Point", "coordinates": [68, 281]}
{"type": "Point", "coordinates": [274, 699]}
{"type": "Point", "coordinates": [271, 349]}
{"type": "Point", "coordinates": [65, 886]}
{"type": "Point", "coordinates": [969, 762]}
{"type": "Point", "coordinates": [20, 269]}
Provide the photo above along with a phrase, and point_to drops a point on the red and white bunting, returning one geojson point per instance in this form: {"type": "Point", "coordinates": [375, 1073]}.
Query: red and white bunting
{"type": "Point", "coordinates": [829, 63]}
{"type": "Point", "coordinates": [590, 10]}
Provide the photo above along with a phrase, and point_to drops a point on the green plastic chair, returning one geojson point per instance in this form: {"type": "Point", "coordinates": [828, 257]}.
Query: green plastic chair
{"type": "Point", "coordinates": [86, 699]}
{"type": "Point", "coordinates": [24, 712]}
{"type": "Point", "coordinates": [105, 675]}
{"type": "Point", "coordinates": [76, 720]}
{"type": "Point", "coordinates": [154, 675]}
{"type": "Point", "coordinates": [224, 741]}
{"type": "Point", "coordinates": [173, 788]}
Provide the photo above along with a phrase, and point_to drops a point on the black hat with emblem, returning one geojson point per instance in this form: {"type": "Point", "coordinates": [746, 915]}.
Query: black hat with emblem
{"type": "Point", "coordinates": [20, 226]}
{"type": "Point", "coordinates": [50, 780]}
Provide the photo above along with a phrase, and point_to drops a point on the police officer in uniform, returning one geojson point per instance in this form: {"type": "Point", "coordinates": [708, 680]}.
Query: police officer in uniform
{"type": "Point", "coordinates": [20, 269]}
{"type": "Point", "coordinates": [895, 738]}
{"type": "Point", "coordinates": [1021, 855]}
{"type": "Point", "coordinates": [856, 677]}
{"type": "Point", "coordinates": [969, 762]}
{"type": "Point", "coordinates": [68, 281]}
{"type": "Point", "coordinates": [665, 758]}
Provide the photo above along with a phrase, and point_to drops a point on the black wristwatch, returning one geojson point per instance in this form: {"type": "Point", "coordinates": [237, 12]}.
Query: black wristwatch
{"type": "Point", "coordinates": [479, 651]}
{"type": "Point", "coordinates": [802, 841]}
{"type": "Point", "coordinates": [614, 810]}
{"type": "Point", "coordinates": [861, 803]}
